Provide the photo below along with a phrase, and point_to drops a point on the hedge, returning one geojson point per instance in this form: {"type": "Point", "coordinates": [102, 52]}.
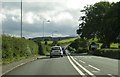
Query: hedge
{"type": "Point", "coordinates": [111, 53]}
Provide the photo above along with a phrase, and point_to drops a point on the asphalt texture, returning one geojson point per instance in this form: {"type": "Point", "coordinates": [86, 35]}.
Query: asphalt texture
{"type": "Point", "coordinates": [86, 64]}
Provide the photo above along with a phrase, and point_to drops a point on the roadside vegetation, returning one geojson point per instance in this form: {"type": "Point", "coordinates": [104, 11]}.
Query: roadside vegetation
{"type": "Point", "coordinates": [14, 49]}
{"type": "Point", "coordinates": [45, 46]}
{"type": "Point", "coordinates": [100, 25]}
{"type": "Point", "coordinates": [101, 21]}
{"type": "Point", "coordinates": [82, 46]}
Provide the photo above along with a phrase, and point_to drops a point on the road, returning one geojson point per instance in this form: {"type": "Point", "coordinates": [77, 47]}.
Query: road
{"type": "Point", "coordinates": [81, 64]}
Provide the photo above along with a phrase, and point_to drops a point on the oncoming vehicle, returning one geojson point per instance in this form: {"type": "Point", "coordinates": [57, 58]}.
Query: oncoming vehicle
{"type": "Point", "coordinates": [93, 46]}
{"type": "Point", "coordinates": [56, 51]}
{"type": "Point", "coordinates": [63, 49]}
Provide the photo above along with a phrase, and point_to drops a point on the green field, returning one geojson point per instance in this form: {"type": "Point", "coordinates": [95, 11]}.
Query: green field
{"type": "Point", "coordinates": [113, 45]}
{"type": "Point", "coordinates": [62, 41]}
{"type": "Point", "coordinates": [67, 40]}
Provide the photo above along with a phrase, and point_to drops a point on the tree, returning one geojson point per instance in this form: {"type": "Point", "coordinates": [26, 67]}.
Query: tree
{"type": "Point", "coordinates": [111, 22]}
{"type": "Point", "coordinates": [102, 21]}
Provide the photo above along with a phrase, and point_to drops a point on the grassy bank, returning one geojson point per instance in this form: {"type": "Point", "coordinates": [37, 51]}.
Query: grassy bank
{"type": "Point", "coordinates": [14, 49]}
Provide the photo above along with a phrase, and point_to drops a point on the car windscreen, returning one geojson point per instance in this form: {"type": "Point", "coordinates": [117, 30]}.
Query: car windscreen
{"type": "Point", "coordinates": [56, 48]}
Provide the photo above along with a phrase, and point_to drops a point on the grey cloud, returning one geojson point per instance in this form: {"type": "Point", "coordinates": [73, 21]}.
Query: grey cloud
{"type": "Point", "coordinates": [11, 5]}
{"type": "Point", "coordinates": [36, 29]}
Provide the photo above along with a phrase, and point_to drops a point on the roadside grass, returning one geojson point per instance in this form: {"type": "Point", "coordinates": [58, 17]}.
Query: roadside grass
{"type": "Point", "coordinates": [47, 49]}
{"type": "Point", "coordinates": [0, 50]}
{"type": "Point", "coordinates": [14, 49]}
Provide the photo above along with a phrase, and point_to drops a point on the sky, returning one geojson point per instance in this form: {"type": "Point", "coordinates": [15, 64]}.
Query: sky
{"type": "Point", "coordinates": [62, 14]}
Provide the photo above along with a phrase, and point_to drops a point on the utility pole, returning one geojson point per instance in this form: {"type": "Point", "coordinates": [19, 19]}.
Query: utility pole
{"type": "Point", "coordinates": [43, 30]}
{"type": "Point", "coordinates": [21, 18]}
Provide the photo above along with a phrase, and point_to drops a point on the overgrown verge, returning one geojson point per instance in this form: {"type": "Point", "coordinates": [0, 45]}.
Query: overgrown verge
{"type": "Point", "coordinates": [111, 53]}
{"type": "Point", "coordinates": [14, 49]}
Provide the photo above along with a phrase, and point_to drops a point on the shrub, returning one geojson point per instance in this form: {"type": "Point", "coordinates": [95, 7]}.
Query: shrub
{"type": "Point", "coordinates": [82, 43]}
{"type": "Point", "coordinates": [81, 50]}
{"type": "Point", "coordinates": [46, 42]}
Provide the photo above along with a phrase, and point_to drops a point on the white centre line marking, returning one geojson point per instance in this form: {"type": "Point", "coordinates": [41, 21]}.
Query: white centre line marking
{"type": "Point", "coordinates": [81, 61]}
{"type": "Point", "coordinates": [83, 67]}
{"type": "Point", "coordinates": [94, 67]}
{"type": "Point", "coordinates": [78, 70]}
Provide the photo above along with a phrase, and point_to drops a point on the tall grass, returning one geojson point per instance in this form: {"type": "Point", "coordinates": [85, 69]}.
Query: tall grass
{"type": "Point", "coordinates": [14, 48]}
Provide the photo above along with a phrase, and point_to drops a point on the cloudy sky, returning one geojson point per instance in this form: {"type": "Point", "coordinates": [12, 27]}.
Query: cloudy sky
{"type": "Point", "coordinates": [63, 16]}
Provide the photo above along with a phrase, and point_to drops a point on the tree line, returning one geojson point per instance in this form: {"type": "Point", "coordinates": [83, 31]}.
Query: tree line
{"type": "Point", "coordinates": [101, 20]}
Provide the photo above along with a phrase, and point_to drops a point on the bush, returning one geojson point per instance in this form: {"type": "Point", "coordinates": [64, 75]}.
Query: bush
{"type": "Point", "coordinates": [82, 43]}
{"type": "Point", "coordinates": [79, 45]}
{"type": "Point", "coordinates": [46, 42]}
{"type": "Point", "coordinates": [81, 50]}
{"type": "Point", "coordinates": [71, 49]}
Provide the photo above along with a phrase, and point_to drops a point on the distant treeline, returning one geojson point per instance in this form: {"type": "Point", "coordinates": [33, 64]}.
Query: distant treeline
{"type": "Point", "coordinates": [50, 38]}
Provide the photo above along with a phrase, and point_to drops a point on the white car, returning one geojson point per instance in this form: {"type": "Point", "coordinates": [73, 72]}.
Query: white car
{"type": "Point", "coordinates": [56, 51]}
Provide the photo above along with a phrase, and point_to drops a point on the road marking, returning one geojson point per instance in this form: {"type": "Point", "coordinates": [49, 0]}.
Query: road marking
{"type": "Point", "coordinates": [13, 68]}
{"type": "Point", "coordinates": [16, 67]}
{"type": "Point", "coordinates": [81, 61]}
{"type": "Point", "coordinates": [94, 67]}
{"type": "Point", "coordinates": [83, 67]}
{"type": "Point", "coordinates": [110, 75]}
{"type": "Point", "coordinates": [78, 70]}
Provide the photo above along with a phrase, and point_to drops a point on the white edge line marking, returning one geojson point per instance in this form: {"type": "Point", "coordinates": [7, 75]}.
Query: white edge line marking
{"type": "Point", "coordinates": [81, 61]}
{"type": "Point", "coordinates": [83, 67]}
{"type": "Point", "coordinates": [16, 67]}
{"type": "Point", "coordinates": [94, 67]}
{"type": "Point", "coordinates": [79, 71]}
{"type": "Point", "coordinates": [13, 68]}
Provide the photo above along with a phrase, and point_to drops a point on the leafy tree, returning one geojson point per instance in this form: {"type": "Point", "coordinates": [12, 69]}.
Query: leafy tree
{"type": "Point", "coordinates": [101, 20]}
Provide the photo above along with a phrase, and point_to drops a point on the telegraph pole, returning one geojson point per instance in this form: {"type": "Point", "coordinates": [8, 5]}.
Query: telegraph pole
{"type": "Point", "coordinates": [21, 18]}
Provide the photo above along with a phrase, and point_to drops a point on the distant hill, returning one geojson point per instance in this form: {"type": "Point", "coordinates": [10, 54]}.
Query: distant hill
{"type": "Point", "coordinates": [50, 38]}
